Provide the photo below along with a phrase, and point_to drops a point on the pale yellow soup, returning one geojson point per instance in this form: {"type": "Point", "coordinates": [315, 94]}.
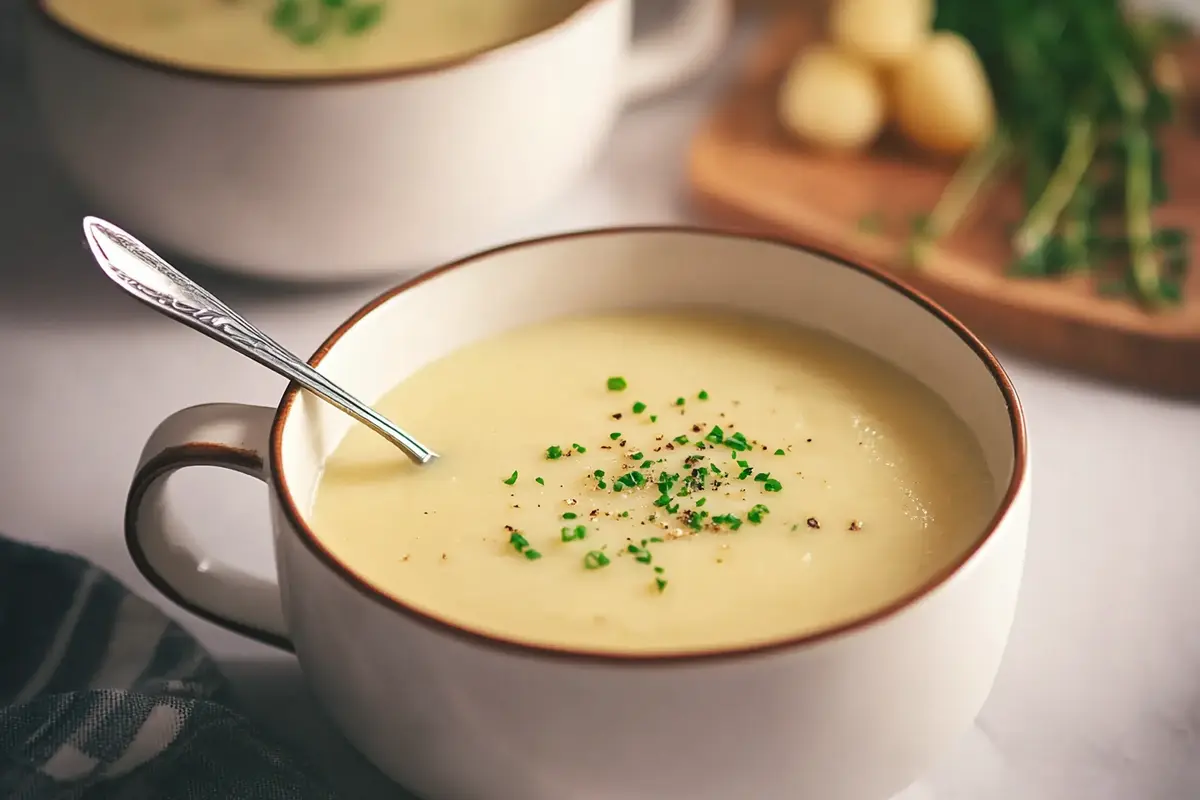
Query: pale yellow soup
{"type": "Point", "coordinates": [302, 37]}
{"type": "Point", "coordinates": [856, 486]}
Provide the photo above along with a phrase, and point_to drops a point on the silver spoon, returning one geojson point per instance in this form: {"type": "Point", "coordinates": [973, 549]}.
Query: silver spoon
{"type": "Point", "coordinates": [143, 274]}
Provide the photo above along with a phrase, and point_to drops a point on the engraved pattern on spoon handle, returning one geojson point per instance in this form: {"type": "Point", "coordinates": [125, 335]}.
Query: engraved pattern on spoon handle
{"type": "Point", "coordinates": [158, 284]}
{"type": "Point", "coordinates": [190, 303]}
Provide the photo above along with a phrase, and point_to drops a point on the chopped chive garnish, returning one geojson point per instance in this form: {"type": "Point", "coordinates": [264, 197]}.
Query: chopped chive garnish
{"type": "Point", "coordinates": [737, 441]}
{"type": "Point", "coordinates": [762, 476]}
{"type": "Point", "coordinates": [755, 514]}
{"type": "Point", "coordinates": [579, 448]}
{"type": "Point", "coordinates": [679, 401]}
{"type": "Point", "coordinates": [598, 473]}
{"type": "Point", "coordinates": [779, 452]}
{"type": "Point", "coordinates": [617, 384]}
{"type": "Point", "coordinates": [360, 18]}
{"type": "Point", "coordinates": [640, 554]}
{"type": "Point", "coordinates": [291, 18]}
{"type": "Point", "coordinates": [703, 395]}
{"type": "Point", "coordinates": [624, 513]}
{"type": "Point", "coordinates": [654, 417]}
{"type": "Point", "coordinates": [602, 485]}
{"type": "Point", "coordinates": [569, 515]}
{"type": "Point", "coordinates": [571, 534]}
{"type": "Point", "coordinates": [511, 479]}
{"type": "Point", "coordinates": [595, 560]}
{"type": "Point", "coordinates": [637, 456]}
{"type": "Point", "coordinates": [659, 570]}
{"type": "Point", "coordinates": [701, 501]}
{"type": "Point", "coordinates": [716, 435]}
{"type": "Point", "coordinates": [680, 440]}
{"type": "Point", "coordinates": [521, 545]}
{"type": "Point", "coordinates": [728, 519]}
{"type": "Point", "coordinates": [615, 435]}
{"type": "Point", "coordinates": [639, 407]}
{"type": "Point", "coordinates": [661, 583]}
{"type": "Point", "coordinates": [646, 464]}
{"type": "Point", "coordinates": [631, 480]}
{"type": "Point", "coordinates": [772, 485]}
{"type": "Point", "coordinates": [553, 452]}
{"type": "Point", "coordinates": [540, 481]}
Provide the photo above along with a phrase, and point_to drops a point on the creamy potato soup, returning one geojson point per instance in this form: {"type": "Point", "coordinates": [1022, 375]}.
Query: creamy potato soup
{"type": "Point", "coordinates": [657, 482]}
{"type": "Point", "coordinates": [306, 37]}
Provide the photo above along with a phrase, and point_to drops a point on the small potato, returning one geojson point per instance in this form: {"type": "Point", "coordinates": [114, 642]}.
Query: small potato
{"type": "Point", "coordinates": [941, 98]}
{"type": "Point", "coordinates": [832, 100]}
{"type": "Point", "coordinates": [884, 32]}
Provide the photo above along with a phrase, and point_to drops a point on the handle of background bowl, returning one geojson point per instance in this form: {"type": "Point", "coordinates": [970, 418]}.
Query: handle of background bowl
{"type": "Point", "coordinates": [683, 49]}
{"type": "Point", "coordinates": [227, 435]}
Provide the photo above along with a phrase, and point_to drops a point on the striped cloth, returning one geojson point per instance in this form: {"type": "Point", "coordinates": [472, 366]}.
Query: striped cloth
{"type": "Point", "coordinates": [103, 698]}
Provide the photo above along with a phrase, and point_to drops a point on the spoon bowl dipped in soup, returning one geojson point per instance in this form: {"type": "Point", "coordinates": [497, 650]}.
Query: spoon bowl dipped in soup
{"type": "Point", "coordinates": [716, 516]}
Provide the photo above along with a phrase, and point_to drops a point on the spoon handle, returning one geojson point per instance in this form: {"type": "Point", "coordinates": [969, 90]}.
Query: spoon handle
{"type": "Point", "coordinates": [142, 273]}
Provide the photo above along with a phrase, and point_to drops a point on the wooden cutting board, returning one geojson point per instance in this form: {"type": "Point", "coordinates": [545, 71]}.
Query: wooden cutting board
{"type": "Point", "coordinates": [748, 175]}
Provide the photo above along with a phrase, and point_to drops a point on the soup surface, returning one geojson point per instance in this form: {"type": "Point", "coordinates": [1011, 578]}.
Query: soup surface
{"type": "Point", "coordinates": [306, 37]}
{"type": "Point", "coordinates": [657, 482]}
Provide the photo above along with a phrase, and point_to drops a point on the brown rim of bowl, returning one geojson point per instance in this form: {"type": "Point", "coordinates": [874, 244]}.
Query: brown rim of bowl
{"type": "Point", "coordinates": [1016, 417]}
{"type": "Point", "coordinates": [425, 68]}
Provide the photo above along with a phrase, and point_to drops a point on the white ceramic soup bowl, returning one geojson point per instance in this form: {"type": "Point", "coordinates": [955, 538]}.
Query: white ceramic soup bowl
{"type": "Point", "coordinates": [308, 179]}
{"type": "Point", "coordinates": [854, 713]}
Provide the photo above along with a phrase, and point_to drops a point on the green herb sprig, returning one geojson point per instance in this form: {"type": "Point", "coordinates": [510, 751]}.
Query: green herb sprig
{"type": "Point", "coordinates": [521, 545]}
{"type": "Point", "coordinates": [1080, 105]}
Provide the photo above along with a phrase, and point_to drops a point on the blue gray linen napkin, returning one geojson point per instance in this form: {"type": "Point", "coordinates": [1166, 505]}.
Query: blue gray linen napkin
{"type": "Point", "coordinates": [103, 698]}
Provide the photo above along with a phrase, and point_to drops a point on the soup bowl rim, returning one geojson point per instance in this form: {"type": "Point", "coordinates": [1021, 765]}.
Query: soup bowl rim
{"type": "Point", "coordinates": [301, 529]}
{"type": "Point", "coordinates": [380, 75]}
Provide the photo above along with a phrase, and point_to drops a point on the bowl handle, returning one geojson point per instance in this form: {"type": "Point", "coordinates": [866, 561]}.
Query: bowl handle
{"type": "Point", "coordinates": [683, 49]}
{"type": "Point", "coordinates": [228, 435]}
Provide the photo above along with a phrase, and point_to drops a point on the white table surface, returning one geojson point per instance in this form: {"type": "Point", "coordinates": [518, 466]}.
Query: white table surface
{"type": "Point", "coordinates": [1099, 696]}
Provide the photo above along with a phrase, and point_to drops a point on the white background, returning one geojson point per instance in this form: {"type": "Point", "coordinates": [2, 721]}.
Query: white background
{"type": "Point", "coordinates": [1099, 697]}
